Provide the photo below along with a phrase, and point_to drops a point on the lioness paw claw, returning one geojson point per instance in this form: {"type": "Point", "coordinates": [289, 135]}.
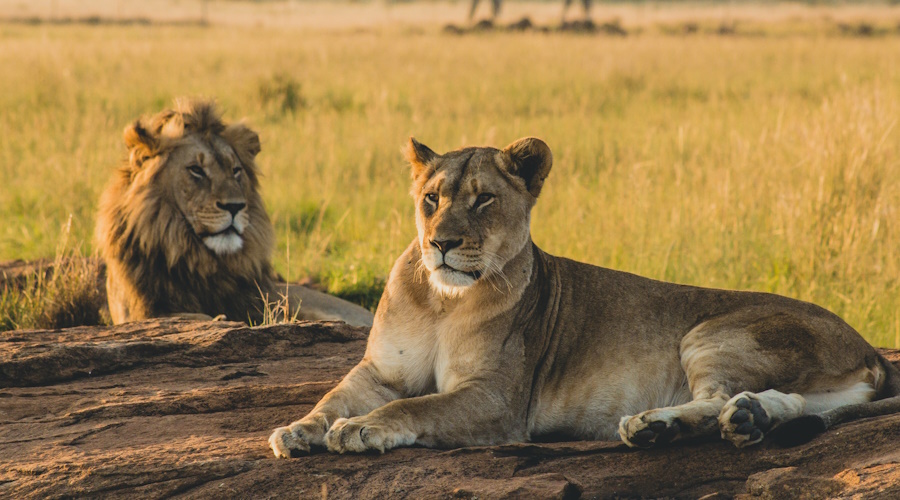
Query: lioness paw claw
{"type": "Point", "coordinates": [347, 435]}
{"type": "Point", "coordinates": [300, 437]}
{"type": "Point", "coordinates": [646, 430]}
{"type": "Point", "coordinates": [744, 421]}
{"type": "Point", "coordinates": [286, 444]}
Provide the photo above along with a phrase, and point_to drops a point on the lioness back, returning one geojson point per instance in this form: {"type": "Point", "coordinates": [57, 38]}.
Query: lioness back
{"type": "Point", "coordinates": [482, 338]}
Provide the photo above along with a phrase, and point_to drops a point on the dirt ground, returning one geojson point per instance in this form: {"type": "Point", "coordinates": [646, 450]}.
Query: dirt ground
{"type": "Point", "coordinates": [169, 408]}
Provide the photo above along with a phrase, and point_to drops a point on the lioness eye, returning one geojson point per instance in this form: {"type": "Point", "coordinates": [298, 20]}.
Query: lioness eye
{"type": "Point", "coordinates": [483, 199]}
{"type": "Point", "coordinates": [237, 172]}
{"type": "Point", "coordinates": [431, 198]}
{"type": "Point", "coordinates": [196, 171]}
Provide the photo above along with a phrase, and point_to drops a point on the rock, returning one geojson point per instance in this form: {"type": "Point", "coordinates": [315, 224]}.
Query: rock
{"type": "Point", "coordinates": [788, 482]}
{"type": "Point", "coordinates": [166, 408]}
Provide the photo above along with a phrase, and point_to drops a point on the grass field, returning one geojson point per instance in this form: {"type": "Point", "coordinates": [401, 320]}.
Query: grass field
{"type": "Point", "coordinates": [765, 161]}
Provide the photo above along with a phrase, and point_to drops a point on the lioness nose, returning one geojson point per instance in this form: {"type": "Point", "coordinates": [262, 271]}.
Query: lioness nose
{"type": "Point", "coordinates": [234, 208]}
{"type": "Point", "coordinates": [446, 245]}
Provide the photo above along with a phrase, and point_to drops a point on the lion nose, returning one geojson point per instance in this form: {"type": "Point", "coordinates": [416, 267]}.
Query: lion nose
{"type": "Point", "coordinates": [446, 245]}
{"type": "Point", "coordinates": [234, 208]}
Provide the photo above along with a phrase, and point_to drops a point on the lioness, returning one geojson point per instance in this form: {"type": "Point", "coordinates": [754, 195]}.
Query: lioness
{"type": "Point", "coordinates": [482, 338]}
{"type": "Point", "coordinates": [184, 231]}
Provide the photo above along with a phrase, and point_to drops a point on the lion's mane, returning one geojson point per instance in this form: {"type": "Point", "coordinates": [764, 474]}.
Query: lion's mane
{"type": "Point", "coordinates": [157, 265]}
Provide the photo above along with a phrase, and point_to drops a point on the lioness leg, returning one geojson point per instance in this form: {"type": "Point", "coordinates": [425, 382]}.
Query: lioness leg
{"type": "Point", "coordinates": [755, 369]}
{"type": "Point", "coordinates": [663, 425]}
{"type": "Point", "coordinates": [748, 417]}
{"type": "Point", "coordinates": [718, 363]}
{"type": "Point", "coordinates": [744, 419]}
{"type": "Point", "coordinates": [472, 414]}
{"type": "Point", "coordinates": [358, 393]}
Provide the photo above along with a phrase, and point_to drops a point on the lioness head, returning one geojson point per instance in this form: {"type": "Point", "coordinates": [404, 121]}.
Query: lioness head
{"type": "Point", "coordinates": [473, 208]}
{"type": "Point", "coordinates": [203, 169]}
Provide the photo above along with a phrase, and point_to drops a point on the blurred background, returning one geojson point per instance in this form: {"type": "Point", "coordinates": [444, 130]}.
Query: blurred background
{"type": "Point", "coordinates": [748, 145]}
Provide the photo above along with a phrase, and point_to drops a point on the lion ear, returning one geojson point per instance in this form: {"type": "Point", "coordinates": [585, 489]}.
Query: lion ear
{"type": "Point", "coordinates": [531, 160]}
{"type": "Point", "coordinates": [170, 124]}
{"type": "Point", "coordinates": [243, 140]}
{"type": "Point", "coordinates": [420, 157]}
{"type": "Point", "coordinates": [245, 143]}
{"type": "Point", "coordinates": [142, 145]}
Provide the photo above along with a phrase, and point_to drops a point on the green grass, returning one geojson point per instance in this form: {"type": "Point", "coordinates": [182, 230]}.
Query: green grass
{"type": "Point", "coordinates": [763, 163]}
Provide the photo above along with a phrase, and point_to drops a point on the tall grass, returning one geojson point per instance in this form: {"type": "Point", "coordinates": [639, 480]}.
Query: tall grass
{"type": "Point", "coordinates": [764, 163]}
{"type": "Point", "coordinates": [63, 293]}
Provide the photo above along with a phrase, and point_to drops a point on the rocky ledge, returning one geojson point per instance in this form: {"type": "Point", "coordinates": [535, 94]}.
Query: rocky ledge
{"type": "Point", "coordinates": [170, 408]}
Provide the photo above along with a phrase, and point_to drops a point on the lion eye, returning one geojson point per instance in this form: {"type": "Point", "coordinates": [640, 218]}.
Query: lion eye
{"type": "Point", "coordinates": [483, 199]}
{"type": "Point", "coordinates": [432, 198]}
{"type": "Point", "coordinates": [237, 172]}
{"type": "Point", "coordinates": [196, 171]}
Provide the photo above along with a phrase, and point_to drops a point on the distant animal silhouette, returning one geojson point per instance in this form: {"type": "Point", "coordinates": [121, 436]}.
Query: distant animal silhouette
{"type": "Point", "coordinates": [495, 10]}
{"type": "Point", "coordinates": [496, 4]}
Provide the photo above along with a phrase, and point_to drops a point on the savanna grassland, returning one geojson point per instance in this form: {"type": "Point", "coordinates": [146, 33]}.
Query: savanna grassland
{"type": "Point", "coordinates": [767, 159]}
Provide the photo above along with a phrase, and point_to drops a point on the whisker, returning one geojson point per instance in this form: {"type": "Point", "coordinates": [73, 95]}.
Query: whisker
{"type": "Point", "coordinates": [420, 271]}
{"type": "Point", "coordinates": [500, 273]}
{"type": "Point", "coordinates": [491, 261]}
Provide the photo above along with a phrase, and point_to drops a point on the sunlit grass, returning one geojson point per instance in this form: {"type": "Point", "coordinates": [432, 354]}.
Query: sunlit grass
{"type": "Point", "coordinates": [62, 293]}
{"type": "Point", "coordinates": [764, 163]}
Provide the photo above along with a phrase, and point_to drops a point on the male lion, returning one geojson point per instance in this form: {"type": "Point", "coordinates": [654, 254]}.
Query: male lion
{"type": "Point", "coordinates": [184, 231]}
{"type": "Point", "coordinates": [482, 338]}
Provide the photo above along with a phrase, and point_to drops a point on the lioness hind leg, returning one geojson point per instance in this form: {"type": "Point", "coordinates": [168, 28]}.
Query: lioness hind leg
{"type": "Point", "coordinates": [750, 350]}
{"type": "Point", "coordinates": [663, 425]}
{"type": "Point", "coordinates": [747, 418]}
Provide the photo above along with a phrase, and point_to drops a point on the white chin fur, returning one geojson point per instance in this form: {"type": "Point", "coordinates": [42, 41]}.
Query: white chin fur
{"type": "Point", "coordinates": [450, 283]}
{"type": "Point", "coordinates": [224, 244]}
{"type": "Point", "coordinates": [241, 221]}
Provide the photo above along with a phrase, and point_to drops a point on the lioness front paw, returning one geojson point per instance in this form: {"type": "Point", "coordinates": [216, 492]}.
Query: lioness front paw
{"type": "Point", "coordinates": [286, 444]}
{"type": "Point", "coordinates": [649, 428]}
{"type": "Point", "coordinates": [296, 439]}
{"type": "Point", "coordinates": [356, 435]}
{"type": "Point", "coordinates": [744, 421]}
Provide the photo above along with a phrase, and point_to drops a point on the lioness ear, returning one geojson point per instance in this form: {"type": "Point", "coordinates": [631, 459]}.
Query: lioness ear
{"type": "Point", "coordinates": [141, 144]}
{"type": "Point", "coordinates": [420, 157]}
{"type": "Point", "coordinates": [531, 159]}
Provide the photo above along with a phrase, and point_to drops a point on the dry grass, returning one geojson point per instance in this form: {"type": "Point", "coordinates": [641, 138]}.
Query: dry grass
{"type": "Point", "coordinates": [278, 309]}
{"type": "Point", "coordinates": [762, 162]}
{"type": "Point", "coordinates": [65, 293]}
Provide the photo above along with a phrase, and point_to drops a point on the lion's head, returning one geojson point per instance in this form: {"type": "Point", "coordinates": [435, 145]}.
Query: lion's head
{"type": "Point", "coordinates": [185, 211]}
{"type": "Point", "coordinates": [473, 208]}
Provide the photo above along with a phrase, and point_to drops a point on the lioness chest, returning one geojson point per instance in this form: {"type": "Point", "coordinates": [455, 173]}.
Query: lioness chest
{"type": "Point", "coordinates": [435, 351]}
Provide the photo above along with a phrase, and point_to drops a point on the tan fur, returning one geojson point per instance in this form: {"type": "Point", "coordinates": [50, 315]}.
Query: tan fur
{"type": "Point", "coordinates": [482, 338]}
{"type": "Point", "coordinates": [183, 229]}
